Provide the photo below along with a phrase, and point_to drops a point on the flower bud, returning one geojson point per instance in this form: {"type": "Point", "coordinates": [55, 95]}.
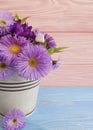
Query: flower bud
{"type": "Point", "coordinates": [40, 38]}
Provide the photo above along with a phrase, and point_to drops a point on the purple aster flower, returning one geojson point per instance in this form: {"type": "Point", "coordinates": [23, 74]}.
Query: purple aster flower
{"type": "Point", "coordinates": [22, 30]}
{"type": "Point", "coordinates": [50, 43]}
{"type": "Point", "coordinates": [14, 120]}
{"type": "Point", "coordinates": [56, 63]}
{"type": "Point", "coordinates": [6, 18]}
{"type": "Point", "coordinates": [3, 31]}
{"type": "Point", "coordinates": [12, 46]}
{"type": "Point", "coordinates": [44, 39]}
{"type": "Point", "coordinates": [5, 68]}
{"type": "Point", "coordinates": [34, 63]}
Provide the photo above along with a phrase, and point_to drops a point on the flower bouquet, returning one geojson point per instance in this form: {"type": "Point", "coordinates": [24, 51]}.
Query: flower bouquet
{"type": "Point", "coordinates": [25, 57]}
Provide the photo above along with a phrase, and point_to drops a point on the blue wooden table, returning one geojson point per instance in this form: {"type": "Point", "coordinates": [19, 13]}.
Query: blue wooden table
{"type": "Point", "coordinates": [62, 108]}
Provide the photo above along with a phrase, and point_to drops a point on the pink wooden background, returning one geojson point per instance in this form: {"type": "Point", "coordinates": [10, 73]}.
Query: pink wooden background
{"type": "Point", "coordinates": [71, 24]}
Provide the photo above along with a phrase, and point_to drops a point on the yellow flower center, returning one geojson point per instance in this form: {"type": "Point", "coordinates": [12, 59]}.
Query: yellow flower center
{"type": "Point", "coordinates": [14, 48]}
{"type": "Point", "coordinates": [3, 66]}
{"type": "Point", "coordinates": [3, 22]}
{"type": "Point", "coordinates": [33, 62]}
{"type": "Point", "coordinates": [14, 121]}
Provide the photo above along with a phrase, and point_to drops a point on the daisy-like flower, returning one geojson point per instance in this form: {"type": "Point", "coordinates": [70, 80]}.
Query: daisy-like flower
{"type": "Point", "coordinates": [12, 46]}
{"type": "Point", "coordinates": [6, 18]}
{"type": "Point", "coordinates": [56, 63]}
{"type": "Point", "coordinates": [5, 68]}
{"type": "Point", "coordinates": [14, 120]}
{"type": "Point", "coordinates": [34, 63]}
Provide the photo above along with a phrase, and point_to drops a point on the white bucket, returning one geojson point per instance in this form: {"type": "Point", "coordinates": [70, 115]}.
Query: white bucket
{"type": "Point", "coordinates": [18, 93]}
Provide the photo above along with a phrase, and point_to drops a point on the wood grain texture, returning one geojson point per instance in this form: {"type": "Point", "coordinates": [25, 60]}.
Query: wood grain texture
{"type": "Point", "coordinates": [80, 49]}
{"type": "Point", "coordinates": [70, 22]}
{"type": "Point", "coordinates": [54, 15]}
{"type": "Point", "coordinates": [77, 68]}
{"type": "Point", "coordinates": [70, 75]}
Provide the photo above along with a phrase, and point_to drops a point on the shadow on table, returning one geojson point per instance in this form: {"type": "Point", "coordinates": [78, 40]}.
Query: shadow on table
{"type": "Point", "coordinates": [1, 125]}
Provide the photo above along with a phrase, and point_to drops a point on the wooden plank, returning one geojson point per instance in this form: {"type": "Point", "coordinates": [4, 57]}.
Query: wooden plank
{"type": "Point", "coordinates": [77, 68]}
{"type": "Point", "coordinates": [54, 15]}
{"type": "Point", "coordinates": [70, 75]}
{"type": "Point", "coordinates": [80, 49]}
{"type": "Point", "coordinates": [67, 108]}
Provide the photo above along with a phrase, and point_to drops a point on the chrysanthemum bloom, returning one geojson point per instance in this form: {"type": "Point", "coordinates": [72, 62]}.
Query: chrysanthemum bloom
{"type": "Point", "coordinates": [5, 68]}
{"type": "Point", "coordinates": [34, 63]}
{"type": "Point", "coordinates": [12, 46]}
{"type": "Point", "coordinates": [22, 30]}
{"type": "Point", "coordinates": [44, 39]}
{"type": "Point", "coordinates": [56, 63]}
{"type": "Point", "coordinates": [6, 18]}
{"type": "Point", "coordinates": [14, 120]}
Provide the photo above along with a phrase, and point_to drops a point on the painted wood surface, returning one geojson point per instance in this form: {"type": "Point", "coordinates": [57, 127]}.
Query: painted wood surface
{"type": "Point", "coordinates": [62, 108]}
{"type": "Point", "coordinates": [70, 22]}
{"type": "Point", "coordinates": [55, 15]}
{"type": "Point", "coordinates": [77, 61]}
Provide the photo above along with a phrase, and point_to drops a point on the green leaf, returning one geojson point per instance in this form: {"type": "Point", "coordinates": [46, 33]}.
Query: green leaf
{"type": "Point", "coordinates": [59, 49]}
{"type": "Point", "coordinates": [51, 50]}
{"type": "Point", "coordinates": [56, 50]}
{"type": "Point", "coordinates": [16, 16]}
{"type": "Point", "coordinates": [24, 20]}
